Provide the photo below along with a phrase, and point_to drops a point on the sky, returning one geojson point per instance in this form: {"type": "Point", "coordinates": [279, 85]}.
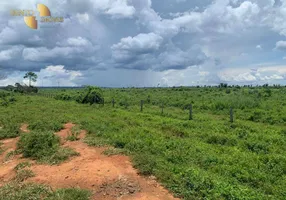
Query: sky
{"type": "Point", "coordinates": [146, 43]}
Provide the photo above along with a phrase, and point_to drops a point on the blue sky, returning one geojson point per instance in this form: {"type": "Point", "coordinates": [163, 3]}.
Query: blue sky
{"type": "Point", "coordinates": [121, 43]}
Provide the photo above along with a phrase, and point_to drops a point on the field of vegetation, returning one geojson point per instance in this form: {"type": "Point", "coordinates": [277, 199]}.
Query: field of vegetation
{"type": "Point", "coordinates": [207, 157]}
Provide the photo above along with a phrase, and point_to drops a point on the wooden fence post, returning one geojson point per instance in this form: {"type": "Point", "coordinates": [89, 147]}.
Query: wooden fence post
{"type": "Point", "coordinates": [162, 106]}
{"type": "Point", "coordinates": [141, 106]}
{"type": "Point", "coordinates": [191, 112]}
{"type": "Point", "coordinates": [113, 103]}
{"type": "Point", "coordinates": [103, 101]}
{"type": "Point", "coordinates": [231, 115]}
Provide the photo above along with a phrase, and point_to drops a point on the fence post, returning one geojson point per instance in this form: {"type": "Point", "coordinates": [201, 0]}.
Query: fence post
{"type": "Point", "coordinates": [113, 103]}
{"type": "Point", "coordinates": [231, 115]}
{"type": "Point", "coordinates": [141, 105]}
{"type": "Point", "coordinates": [191, 112]}
{"type": "Point", "coordinates": [103, 101]}
{"type": "Point", "coordinates": [162, 106]}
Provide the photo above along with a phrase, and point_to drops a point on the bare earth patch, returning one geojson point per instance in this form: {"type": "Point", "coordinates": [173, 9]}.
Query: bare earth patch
{"type": "Point", "coordinates": [108, 177]}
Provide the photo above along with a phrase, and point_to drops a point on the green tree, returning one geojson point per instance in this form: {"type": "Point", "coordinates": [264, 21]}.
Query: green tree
{"type": "Point", "coordinates": [31, 76]}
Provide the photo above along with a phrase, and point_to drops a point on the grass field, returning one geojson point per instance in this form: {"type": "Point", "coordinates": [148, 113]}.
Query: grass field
{"type": "Point", "coordinates": [204, 158]}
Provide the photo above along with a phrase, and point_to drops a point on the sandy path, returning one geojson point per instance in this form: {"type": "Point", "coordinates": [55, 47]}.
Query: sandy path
{"type": "Point", "coordinates": [108, 177]}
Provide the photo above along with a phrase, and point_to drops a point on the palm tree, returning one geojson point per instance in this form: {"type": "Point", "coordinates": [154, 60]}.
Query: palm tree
{"type": "Point", "coordinates": [31, 76]}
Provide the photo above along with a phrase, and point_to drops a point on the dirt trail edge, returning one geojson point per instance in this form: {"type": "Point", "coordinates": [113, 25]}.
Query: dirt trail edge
{"type": "Point", "coordinates": [108, 177]}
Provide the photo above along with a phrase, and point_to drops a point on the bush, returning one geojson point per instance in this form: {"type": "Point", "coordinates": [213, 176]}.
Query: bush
{"type": "Point", "coordinates": [221, 140]}
{"type": "Point", "coordinates": [90, 95]}
{"type": "Point", "coordinates": [38, 145]}
{"type": "Point", "coordinates": [44, 147]}
{"type": "Point", "coordinates": [10, 130]}
{"type": "Point", "coordinates": [45, 125]}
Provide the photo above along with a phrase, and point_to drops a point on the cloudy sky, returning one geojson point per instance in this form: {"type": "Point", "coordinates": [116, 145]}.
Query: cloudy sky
{"type": "Point", "coordinates": [122, 43]}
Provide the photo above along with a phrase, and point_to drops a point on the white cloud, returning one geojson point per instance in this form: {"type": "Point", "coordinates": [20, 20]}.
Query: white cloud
{"type": "Point", "coordinates": [82, 18]}
{"type": "Point", "coordinates": [79, 41]}
{"type": "Point", "coordinates": [115, 8]}
{"type": "Point", "coordinates": [258, 75]}
{"type": "Point", "coordinates": [281, 45]}
{"type": "Point", "coordinates": [49, 76]}
{"type": "Point", "coordinates": [136, 34]}
{"type": "Point", "coordinates": [139, 43]}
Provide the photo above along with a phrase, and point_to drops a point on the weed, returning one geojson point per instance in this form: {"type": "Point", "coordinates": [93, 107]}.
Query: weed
{"type": "Point", "coordinates": [19, 191]}
{"type": "Point", "coordinates": [38, 145]}
{"type": "Point", "coordinates": [59, 156]}
{"type": "Point", "coordinates": [24, 174]}
{"type": "Point", "coordinates": [31, 191]}
{"type": "Point", "coordinates": [44, 147]}
{"type": "Point", "coordinates": [113, 151]}
{"type": "Point", "coordinates": [10, 155]}
{"type": "Point", "coordinates": [22, 165]}
{"type": "Point", "coordinates": [69, 194]}
{"type": "Point", "coordinates": [10, 130]}
{"type": "Point", "coordinates": [74, 134]}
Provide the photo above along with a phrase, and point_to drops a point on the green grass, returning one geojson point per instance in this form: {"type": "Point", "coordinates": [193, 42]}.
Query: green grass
{"type": "Point", "coordinates": [23, 174]}
{"type": "Point", "coordinates": [69, 194]}
{"type": "Point", "coordinates": [20, 191]}
{"type": "Point", "coordinates": [113, 151]}
{"type": "Point", "coordinates": [63, 154]}
{"type": "Point", "coordinates": [74, 134]}
{"type": "Point", "coordinates": [9, 130]}
{"type": "Point", "coordinates": [44, 147]}
{"type": "Point", "coordinates": [22, 165]}
{"type": "Point", "coordinates": [29, 191]}
{"type": "Point", "coordinates": [205, 158]}
{"type": "Point", "coordinates": [10, 155]}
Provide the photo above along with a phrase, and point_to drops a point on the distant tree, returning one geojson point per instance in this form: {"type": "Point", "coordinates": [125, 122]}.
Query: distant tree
{"type": "Point", "coordinates": [223, 85]}
{"type": "Point", "coordinates": [31, 76]}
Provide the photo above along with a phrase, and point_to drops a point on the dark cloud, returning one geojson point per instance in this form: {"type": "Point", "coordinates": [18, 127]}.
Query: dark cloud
{"type": "Point", "coordinates": [143, 35]}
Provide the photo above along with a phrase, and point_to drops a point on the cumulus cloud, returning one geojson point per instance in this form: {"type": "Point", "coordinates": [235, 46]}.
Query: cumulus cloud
{"type": "Point", "coordinates": [189, 37]}
{"type": "Point", "coordinates": [281, 45]}
{"type": "Point", "coordinates": [49, 76]}
{"type": "Point", "coordinates": [259, 75]}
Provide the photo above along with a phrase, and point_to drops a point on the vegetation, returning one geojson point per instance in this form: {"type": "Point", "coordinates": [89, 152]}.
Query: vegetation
{"type": "Point", "coordinates": [18, 88]}
{"type": "Point", "coordinates": [69, 194]}
{"type": "Point", "coordinates": [204, 158]}
{"type": "Point", "coordinates": [89, 95]}
{"type": "Point", "coordinates": [30, 191]}
{"type": "Point", "coordinates": [22, 165]}
{"type": "Point", "coordinates": [31, 76]}
{"type": "Point", "coordinates": [74, 134]}
{"type": "Point", "coordinates": [44, 147]}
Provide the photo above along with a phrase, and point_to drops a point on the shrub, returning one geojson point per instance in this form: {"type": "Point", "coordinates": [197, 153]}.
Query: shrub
{"type": "Point", "coordinates": [10, 130]}
{"type": "Point", "coordinates": [90, 95]}
{"type": "Point", "coordinates": [145, 163]}
{"type": "Point", "coordinates": [45, 125]}
{"type": "Point", "coordinates": [222, 140]}
{"type": "Point", "coordinates": [44, 147]}
{"type": "Point", "coordinates": [38, 145]}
